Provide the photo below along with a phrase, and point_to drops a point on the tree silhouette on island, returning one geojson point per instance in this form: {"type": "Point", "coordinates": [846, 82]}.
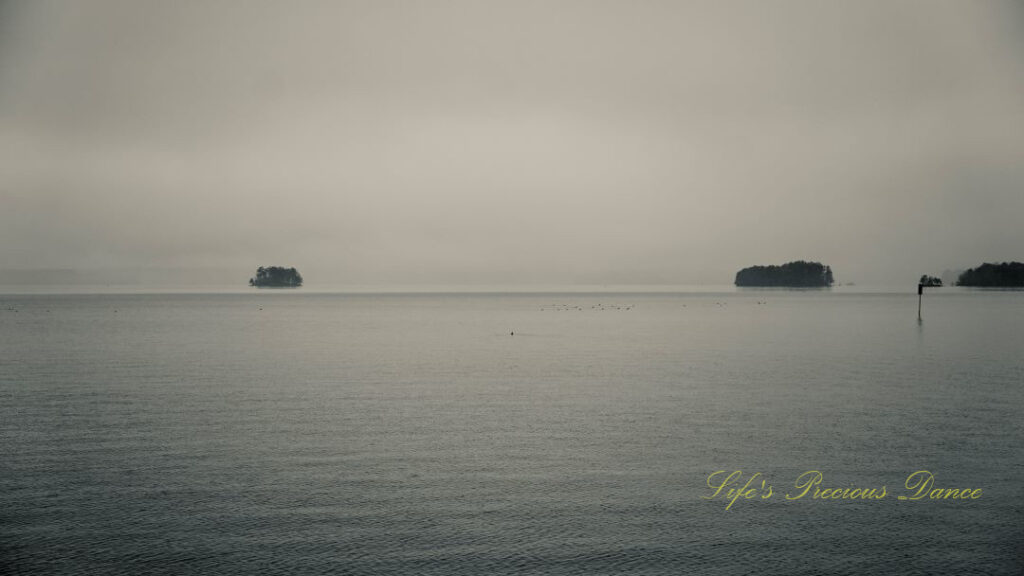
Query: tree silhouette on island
{"type": "Point", "coordinates": [276, 277]}
{"type": "Point", "coordinates": [1005, 275]}
{"type": "Point", "coordinates": [798, 274]}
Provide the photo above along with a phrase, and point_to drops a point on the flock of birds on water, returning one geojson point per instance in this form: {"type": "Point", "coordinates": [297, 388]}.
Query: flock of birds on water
{"type": "Point", "coordinates": [600, 307]}
{"type": "Point", "coordinates": [569, 307]}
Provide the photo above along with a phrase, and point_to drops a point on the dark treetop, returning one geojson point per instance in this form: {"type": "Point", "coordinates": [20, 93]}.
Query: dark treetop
{"type": "Point", "coordinates": [277, 277]}
{"type": "Point", "coordinates": [797, 274]}
{"type": "Point", "coordinates": [930, 281]}
{"type": "Point", "coordinates": [1007, 274]}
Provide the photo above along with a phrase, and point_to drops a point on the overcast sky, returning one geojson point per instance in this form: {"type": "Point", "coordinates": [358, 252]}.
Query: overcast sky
{"type": "Point", "coordinates": [519, 141]}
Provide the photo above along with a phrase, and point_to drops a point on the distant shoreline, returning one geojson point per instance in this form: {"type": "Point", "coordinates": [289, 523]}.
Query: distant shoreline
{"type": "Point", "coordinates": [471, 289]}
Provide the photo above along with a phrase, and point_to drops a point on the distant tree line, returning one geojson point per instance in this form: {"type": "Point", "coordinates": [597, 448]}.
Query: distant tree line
{"type": "Point", "coordinates": [1007, 274]}
{"type": "Point", "coordinates": [799, 274]}
{"type": "Point", "coordinates": [277, 277]}
{"type": "Point", "coordinates": [930, 281]}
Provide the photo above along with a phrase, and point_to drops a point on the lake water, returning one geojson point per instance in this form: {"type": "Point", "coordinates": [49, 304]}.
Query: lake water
{"type": "Point", "coordinates": [274, 432]}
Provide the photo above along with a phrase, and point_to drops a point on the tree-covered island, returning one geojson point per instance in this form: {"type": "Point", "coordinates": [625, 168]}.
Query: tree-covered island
{"type": "Point", "coordinates": [276, 277]}
{"type": "Point", "coordinates": [799, 274]}
{"type": "Point", "coordinates": [930, 281]}
{"type": "Point", "coordinates": [1005, 275]}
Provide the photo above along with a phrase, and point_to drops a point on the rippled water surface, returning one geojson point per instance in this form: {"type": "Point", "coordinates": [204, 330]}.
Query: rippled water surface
{"type": "Point", "coordinates": [294, 432]}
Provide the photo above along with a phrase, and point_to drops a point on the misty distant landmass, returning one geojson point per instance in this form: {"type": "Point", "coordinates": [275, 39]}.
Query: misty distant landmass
{"type": "Point", "coordinates": [123, 276]}
{"type": "Point", "coordinates": [1005, 275]}
{"type": "Point", "coordinates": [949, 277]}
{"type": "Point", "coordinates": [276, 277]}
{"type": "Point", "coordinates": [798, 274]}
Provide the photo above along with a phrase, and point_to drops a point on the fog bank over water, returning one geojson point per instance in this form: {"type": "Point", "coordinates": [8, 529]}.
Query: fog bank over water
{"type": "Point", "coordinates": [508, 142]}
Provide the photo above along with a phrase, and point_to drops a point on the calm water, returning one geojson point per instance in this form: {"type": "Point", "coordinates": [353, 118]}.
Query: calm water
{"type": "Point", "coordinates": [295, 432]}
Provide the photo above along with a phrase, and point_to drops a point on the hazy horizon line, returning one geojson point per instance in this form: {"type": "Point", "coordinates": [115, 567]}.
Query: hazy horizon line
{"type": "Point", "coordinates": [238, 275]}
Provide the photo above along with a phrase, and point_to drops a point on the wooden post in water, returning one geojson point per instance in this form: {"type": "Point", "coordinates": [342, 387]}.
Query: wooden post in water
{"type": "Point", "coordinates": [920, 292]}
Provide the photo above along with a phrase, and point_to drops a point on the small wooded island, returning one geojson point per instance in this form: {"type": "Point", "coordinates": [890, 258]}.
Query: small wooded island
{"type": "Point", "coordinates": [1005, 275]}
{"type": "Point", "coordinates": [930, 281]}
{"type": "Point", "coordinates": [276, 277]}
{"type": "Point", "coordinates": [799, 274]}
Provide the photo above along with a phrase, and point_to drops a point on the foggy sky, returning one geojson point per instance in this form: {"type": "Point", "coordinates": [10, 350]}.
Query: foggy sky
{"type": "Point", "coordinates": [519, 141]}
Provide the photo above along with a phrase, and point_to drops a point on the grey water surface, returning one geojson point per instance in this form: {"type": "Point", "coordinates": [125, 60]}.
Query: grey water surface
{"type": "Point", "coordinates": [277, 432]}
